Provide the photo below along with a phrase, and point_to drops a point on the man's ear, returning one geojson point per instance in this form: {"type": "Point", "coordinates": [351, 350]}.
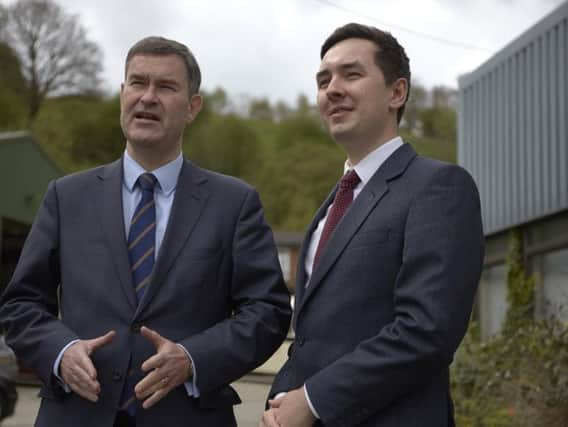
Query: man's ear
{"type": "Point", "coordinates": [399, 92]}
{"type": "Point", "coordinates": [195, 104]}
{"type": "Point", "coordinates": [121, 94]}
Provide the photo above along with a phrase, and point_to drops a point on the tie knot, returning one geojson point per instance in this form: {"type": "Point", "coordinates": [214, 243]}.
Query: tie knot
{"type": "Point", "coordinates": [147, 181]}
{"type": "Point", "coordinates": [350, 180]}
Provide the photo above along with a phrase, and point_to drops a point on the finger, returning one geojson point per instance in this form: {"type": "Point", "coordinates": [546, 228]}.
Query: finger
{"type": "Point", "coordinates": [76, 361]}
{"type": "Point", "coordinates": [155, 398]}
{"type": "Point", "coordinates": [150, 384]}
{"type": "Point", "coordinates": [101, 341]}
{"type": "Point", "coordinates": [81, 378]}
{"type": "Point", "coordinates": [275, 403]}
{"type": "Point", "coordinates": [85, 393]}
{"type": "Point", "coordinates": [153, 336]}
{"type": "Point", "coordinates": [85, 364]}
{"type": "Point", "coordinates": [153, 362]}
{"type": "Point", "coordinates": [269, 419]}
{"type": "Point", "coordinates": [81, 383]}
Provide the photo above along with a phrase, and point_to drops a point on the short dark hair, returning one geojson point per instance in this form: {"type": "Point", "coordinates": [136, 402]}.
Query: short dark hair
{"type": "Point", "coordinates": [161, 46]}
{"type": "Point", "coordinates": [390, 57]}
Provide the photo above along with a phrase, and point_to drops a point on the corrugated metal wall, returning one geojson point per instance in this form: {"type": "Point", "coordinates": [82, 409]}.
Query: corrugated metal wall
{"type": "Point", "coordinates": [512, 126]}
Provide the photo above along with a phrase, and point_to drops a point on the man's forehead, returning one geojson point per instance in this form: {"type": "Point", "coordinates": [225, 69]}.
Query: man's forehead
{"type": "Point", "coordinates": [349, 52]}
{"type": "Point", "coordinates": [143, 60]}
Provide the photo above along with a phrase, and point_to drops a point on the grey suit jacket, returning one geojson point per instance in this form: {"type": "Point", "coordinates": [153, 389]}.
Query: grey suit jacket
{"type": "Point", "coordinates": [390, 299]}
{"type": "Point", "coordinates": [216, 288]}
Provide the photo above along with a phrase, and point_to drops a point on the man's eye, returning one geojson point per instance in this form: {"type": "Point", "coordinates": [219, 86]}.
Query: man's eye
{"type": "Point", "coordinates": [353, 75]}
{"type": "Point", "coordinates": [322, 84]}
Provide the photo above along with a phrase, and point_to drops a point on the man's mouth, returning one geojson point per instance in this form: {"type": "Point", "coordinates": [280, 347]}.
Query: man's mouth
{"type": "Point", "coordinates": [335, 111]}
{"type": "Point", "coordinates": [146, 116]}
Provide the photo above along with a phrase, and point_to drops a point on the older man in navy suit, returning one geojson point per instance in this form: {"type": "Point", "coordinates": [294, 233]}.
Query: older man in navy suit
{"type": "Point", "coordinates": [147, 285]}
{"type": "Point", "coordinates": [390, 264]}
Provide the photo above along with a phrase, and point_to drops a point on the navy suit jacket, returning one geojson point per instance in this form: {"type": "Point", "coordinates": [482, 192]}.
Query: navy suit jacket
{"type": "Point", "coordinates": [390, 299]}
{"type": "Point", "coordinates": [216, 288]}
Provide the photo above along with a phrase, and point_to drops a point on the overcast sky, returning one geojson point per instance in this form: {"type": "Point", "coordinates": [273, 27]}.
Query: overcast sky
{"type": "Point", "coordinates": [269, 48]}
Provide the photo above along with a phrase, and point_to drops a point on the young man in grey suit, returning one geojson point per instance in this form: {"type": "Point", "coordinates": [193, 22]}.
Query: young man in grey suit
{"type": "Point", "coordinates": [147, 285]}
{"type": "Point", "coordinates": [390, 263]}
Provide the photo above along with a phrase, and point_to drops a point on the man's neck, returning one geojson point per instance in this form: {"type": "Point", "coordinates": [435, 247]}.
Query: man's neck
{"type": "Point", "coordinates": [150, 158]}
{"type": "Point", "coordinates": [358, 150]}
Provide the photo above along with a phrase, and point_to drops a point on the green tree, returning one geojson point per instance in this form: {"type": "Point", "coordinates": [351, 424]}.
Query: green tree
{"type": "Point", "coordinates": [439, 123]}
{"type": "Point", "coordinates": [12, 91]}
{"type": "Point", "coordinates": [225, 144]}
{"type": "Point", "coordinates": [261, 109]}
{"type": "Point", "coordinates": [416, 103]}
{"type": "Point", "coordinates": [97, 135]}
{"type": "Point", "coordinates": [56, 56]}
{"type": "Point", "coordinates": [296, 180]}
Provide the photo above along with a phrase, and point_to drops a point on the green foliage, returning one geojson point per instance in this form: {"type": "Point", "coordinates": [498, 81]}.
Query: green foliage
{"type": "Point", "coordinates": [53, 49]}
{"type": "Point", "coordinates": [53, 131]}
{"type": "Point", "coordinates": [294, 182]}
{"type": "Point", "coordinates": [225, 144]}
{"type": "Point", "coordinates": [10, 73]}
{"type": "Point", "coordinates": [517, 379]}
{"type": "Point", "coordinates": [97, 135]}
{"type": "Point", "coordinates": [261, 109]}
{"type": "Point", "coordinates": [13, 111]}
{"type": "Point", "coordinates": [301, 128]}
{"type": "Point", "coordinates": [435, 148]}
{"type": "Point", "coordinates": [520, 287]}
{"type": "Point", "coordinates": [439, 123]}
{"type": "Point", "coordinates": [80, 132]}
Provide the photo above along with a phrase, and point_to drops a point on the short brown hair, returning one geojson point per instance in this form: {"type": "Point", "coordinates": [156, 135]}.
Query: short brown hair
{"type": "Point", "coordinates": [390, 57]}
{"type": "Point", "coordinates": [161, 46]}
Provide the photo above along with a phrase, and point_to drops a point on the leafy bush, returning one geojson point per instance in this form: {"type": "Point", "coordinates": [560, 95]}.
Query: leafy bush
{"type": "Point", "coordinates": [519, 379]}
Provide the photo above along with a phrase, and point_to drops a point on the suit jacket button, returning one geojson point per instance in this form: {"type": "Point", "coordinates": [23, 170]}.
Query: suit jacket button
{"type": "Point", "coordinates": [116, 376]}
{"type": "Point", "coordinates": [301, 341]}
{"type": "Point", "coordinates": [135, 327]}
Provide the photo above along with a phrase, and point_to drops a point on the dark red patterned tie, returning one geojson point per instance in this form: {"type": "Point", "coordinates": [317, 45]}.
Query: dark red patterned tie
{"type": "Point", "coordinates": [343, 199]}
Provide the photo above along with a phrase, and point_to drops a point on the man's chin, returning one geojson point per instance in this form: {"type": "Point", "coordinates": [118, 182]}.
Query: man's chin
{"type": "Point", "coordinates": [340, 132]}
{"type": "Point", "coordinates": [143, 140]}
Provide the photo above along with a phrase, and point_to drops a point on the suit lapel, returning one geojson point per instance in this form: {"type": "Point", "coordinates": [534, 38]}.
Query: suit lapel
{"type": "Point", "coordinates": [362, 206]}
{"type": "Point", "coordinates": [189, 200]}
{"type": "Point", "coordinates": [109, 204]}
{"type": "Point", "coordinates": [301, 276]}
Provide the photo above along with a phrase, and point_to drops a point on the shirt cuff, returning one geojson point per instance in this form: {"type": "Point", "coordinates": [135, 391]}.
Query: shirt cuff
{"type": "Point", "coordinates": [56, 367]}
{"type": "Point", "coordinates": [310, 403]}
{"type": "Point", "coordinates": [279, 395]}
{"type": "Point", "coordinates": [191, 386]}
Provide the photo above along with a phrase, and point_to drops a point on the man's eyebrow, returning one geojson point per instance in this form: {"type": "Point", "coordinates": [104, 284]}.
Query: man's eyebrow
{"type": "Point", "coordinates": [137, 76]}
{"type": "Point", "coordinates": [165, 80]}
{"type": "Point", "coordinates": [321, 74]}
{"type": "Point", "coordinates": [344, 66]}
{"type": "Point", "coordinates": [352, 64]}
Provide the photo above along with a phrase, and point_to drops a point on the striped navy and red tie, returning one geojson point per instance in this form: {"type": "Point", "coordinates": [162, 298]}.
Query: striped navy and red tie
{"type": "Point", "coordinates": [141, 251]}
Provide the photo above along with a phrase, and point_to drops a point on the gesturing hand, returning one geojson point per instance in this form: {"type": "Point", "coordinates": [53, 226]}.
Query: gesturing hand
{"type": "Point", "coordinates": [166, 369]}
{"type": "Point", "coordinates": [77, 369]}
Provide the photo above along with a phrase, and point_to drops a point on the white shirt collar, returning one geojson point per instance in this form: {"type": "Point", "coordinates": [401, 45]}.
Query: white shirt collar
{"type": "Point", "coordinates": [367, 167]}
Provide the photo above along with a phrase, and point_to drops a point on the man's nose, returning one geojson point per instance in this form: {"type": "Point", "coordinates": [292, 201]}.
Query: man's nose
{"type": "Point", "coordinates": [334, 89]}
{"type": "Point", "coordinates": [149, 95]}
